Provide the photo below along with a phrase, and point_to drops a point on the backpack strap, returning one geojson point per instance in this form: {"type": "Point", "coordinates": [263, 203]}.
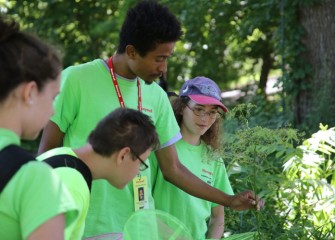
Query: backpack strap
{"type": "Point", "coordinates": [12, 158]}
{"type": "Point", "coordinates": [65, 160]}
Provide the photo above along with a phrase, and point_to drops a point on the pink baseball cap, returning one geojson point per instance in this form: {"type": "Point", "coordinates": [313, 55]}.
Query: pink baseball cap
{"type": "Point", "coordinates": [203, 91]}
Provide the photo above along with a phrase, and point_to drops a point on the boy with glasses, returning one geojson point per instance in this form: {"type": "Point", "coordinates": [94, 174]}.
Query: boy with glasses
{"type": "Point", "coordinates": [113, 154]}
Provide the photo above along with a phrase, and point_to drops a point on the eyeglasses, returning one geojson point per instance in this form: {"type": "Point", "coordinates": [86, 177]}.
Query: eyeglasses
{"type": "Point", "coordinates": [143, 165]}
{"type": "Point", "coordinates": [213, 114]}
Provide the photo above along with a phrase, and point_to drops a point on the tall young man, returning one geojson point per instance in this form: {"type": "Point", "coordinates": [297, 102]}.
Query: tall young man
{"type": "Point", "coordinates": [92, 90]}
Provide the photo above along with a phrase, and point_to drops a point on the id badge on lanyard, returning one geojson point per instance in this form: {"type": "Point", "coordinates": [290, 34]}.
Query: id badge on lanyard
{"type": "Point", "coordinates": [140, 183]}
{"type": "Point", "coordinates": [141, 194]}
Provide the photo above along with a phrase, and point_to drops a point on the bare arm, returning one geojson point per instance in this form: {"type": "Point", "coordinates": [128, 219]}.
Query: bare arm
{"type": "Point", "coordinates": [216, 223]}
{"type": "Point", "coordinates": [53, 229]}
{"type": "Point", "coordinates": [52, 137]}
{"type": "Point", "coordinates": [174, 172]}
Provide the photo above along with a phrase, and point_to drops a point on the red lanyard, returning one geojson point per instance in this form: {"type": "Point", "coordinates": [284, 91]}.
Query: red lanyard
{"type": "Point", "coordinates": [117, 88]}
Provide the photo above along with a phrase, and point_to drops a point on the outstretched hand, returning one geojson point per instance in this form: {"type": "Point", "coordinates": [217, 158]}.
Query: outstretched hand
{"type": "Point", "coordinates": [245, 200]}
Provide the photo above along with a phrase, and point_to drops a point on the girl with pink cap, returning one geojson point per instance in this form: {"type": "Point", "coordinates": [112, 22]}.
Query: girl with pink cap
{"type": "Point", "coordinates": [198, 111]}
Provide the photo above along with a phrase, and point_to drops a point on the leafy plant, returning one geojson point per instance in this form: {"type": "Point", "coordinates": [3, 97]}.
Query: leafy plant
{"type": "Point", "coordinates": [254, 158]}
{"type": "Point", "coordinates": [297, 182]}
{"type": "Point", "coordinates": [309, 192]}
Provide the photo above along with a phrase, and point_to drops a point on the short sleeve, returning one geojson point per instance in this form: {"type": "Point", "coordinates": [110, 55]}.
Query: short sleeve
{"type": "Point", "coordinates": [221, 179]}
{"type": "Point", "coordinates": [66, 103]}
{"type": "Point", "coordinates": [166, 123]}
{"type": "Point", "coordinates": [40, 197]}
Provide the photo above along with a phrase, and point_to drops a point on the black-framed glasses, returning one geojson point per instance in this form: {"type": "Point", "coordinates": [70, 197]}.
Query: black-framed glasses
{"type": "Point", "coordinates": [213, 114]}
{"type": "Point", "coordinates": [143, 165]}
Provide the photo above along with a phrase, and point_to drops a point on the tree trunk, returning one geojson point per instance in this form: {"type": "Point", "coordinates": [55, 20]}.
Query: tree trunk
{"type": "Point", "coordinates": [317, 104]}
{"type": "Point", "coordinates": [266, 67]}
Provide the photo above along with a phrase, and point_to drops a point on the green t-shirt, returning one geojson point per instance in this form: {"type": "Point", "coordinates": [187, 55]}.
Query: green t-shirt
{"type": "Point", "coordinates": [77, 186]}
{"type": "Point", "coordinates": [192, 211]}
{"type": "Point", "coordinates": [32, 196]}
{"type": "Point", "coordinates": [87, 95]}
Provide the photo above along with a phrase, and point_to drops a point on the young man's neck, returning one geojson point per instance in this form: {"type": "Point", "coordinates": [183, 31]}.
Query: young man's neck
{"type": "Point", "coordinates": [89, 157]}
{"type": "Point", "coordinates": [121, 68]}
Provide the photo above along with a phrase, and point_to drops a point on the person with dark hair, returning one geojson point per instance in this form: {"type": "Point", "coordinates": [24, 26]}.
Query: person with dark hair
{"type": "Point", "coordinates": [34, 203]}
{"type": "Point", "coordinates": [114, 152]}
{"type": "Point", "coordinates": [141, 194]}
{"type": "Point", "coordinates": [90, 91]}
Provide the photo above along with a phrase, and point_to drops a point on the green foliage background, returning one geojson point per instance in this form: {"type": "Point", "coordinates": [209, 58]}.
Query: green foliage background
{"type": "Point", "coordinates": [227, 41]}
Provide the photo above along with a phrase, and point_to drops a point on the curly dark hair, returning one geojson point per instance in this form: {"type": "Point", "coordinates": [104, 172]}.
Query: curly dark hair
{"type": "Point", "coordinates": [146, 25]}
{"type": "Point", "coordinates": [211, 136]}
{"type": "Point", "coordinates": [23, 58]}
